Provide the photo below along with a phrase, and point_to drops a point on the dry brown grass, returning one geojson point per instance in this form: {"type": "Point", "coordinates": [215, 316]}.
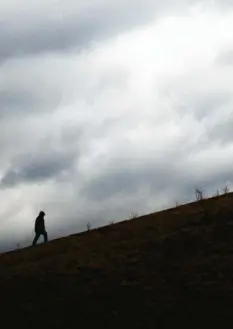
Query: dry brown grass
{"type": "Point", "coordinates": [171, 268]}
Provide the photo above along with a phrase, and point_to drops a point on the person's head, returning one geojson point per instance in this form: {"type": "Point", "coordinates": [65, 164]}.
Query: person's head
{"type": "Point", "coordinates": [42, 214]}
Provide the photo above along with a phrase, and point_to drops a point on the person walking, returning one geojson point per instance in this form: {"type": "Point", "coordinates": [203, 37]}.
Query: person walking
{"type": "Point", "coordinates": [40, 228]}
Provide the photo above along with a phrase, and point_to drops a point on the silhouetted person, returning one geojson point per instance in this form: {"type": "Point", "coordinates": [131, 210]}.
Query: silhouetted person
{"type": "Point", "coordinates": [40, 228]}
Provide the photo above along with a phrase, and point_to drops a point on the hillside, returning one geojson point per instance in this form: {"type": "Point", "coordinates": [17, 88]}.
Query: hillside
{"type": "Point", "coordinates": [171, 268]}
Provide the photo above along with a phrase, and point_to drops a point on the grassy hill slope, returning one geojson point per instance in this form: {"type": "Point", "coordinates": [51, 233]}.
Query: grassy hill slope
{"type": "Point", "coordinates": [171, 268]}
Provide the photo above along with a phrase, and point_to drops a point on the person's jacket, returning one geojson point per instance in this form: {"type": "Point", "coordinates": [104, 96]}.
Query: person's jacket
{"type": "Point", "coordinates": [39, 224]}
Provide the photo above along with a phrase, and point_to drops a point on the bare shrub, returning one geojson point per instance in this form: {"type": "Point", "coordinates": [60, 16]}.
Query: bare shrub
{"type": "Point", "coordinates": [226, 190]}
{"type": "Point", "coordinates": [88, 226]}
{"type": "Point", "coordinates": [199, 194]}
{"type": "Point", "coordinates": [217, 193]}
{"type": "Point", "coordinates": [177, 204]}
{"type": "Point", "coordinates": [133, 215]}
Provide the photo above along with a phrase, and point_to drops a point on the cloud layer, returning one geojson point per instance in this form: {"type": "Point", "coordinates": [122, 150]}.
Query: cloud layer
{"type": "Point", "coordinates": [111, 108]}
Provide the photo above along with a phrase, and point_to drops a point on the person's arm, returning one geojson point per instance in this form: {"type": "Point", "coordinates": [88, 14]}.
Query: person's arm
{"type": "Point", "coordinates": [42, 224]}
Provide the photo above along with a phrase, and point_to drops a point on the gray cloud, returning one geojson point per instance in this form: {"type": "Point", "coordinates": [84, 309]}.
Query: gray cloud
{"type": "Point", "coordinates": [18, 102]}
{"type": "Point", "coordinates": [126, 178]}
{"type": "Point", "coordinates": [63, 25]}
{"type": "Point", "coordinates": [176, 174]}
{"type": "Point", "coordinates": [54, 26]}
{"type": "Point", "coordinates": [222, 132]}
{"type": "Point", "coordinates": [45, 151]}
{"type": "Point", "coordinates": [37, 170]}
{"type": "Point", "coordinates": [58, 26]}
{"type": "Point", "coordinates": [26, 90]}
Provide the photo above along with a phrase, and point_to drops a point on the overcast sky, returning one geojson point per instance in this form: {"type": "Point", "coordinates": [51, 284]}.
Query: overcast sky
{"type": "Point", "coordinates": [111, 107]}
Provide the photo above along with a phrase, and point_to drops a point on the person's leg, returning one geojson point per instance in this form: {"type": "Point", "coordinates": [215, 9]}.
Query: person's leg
{"type": "Point", "coordinates": [45, 236]}
{"type": "Point", "coordinates": [36, 238]}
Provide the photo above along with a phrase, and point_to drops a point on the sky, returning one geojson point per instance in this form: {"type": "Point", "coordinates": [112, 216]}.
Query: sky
{"type": "Point", "coordinates": [111, 107]}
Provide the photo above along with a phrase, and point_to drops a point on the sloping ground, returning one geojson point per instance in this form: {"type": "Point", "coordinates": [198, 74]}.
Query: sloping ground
{"type": "Point", "coordinates": [172, 268]}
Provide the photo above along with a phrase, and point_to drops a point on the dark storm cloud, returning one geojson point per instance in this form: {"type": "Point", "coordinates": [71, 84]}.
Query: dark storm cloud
{"type": "Point", "coordinates": [64, 25]}
{"type": "Point", "coordinates": [38, 168]}
{"type": "Point", "coordinates": [29, 28]}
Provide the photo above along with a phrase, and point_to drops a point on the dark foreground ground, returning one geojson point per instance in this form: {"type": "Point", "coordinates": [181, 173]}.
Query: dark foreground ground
{"type": "Point", "coordinates": [172, 269]}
